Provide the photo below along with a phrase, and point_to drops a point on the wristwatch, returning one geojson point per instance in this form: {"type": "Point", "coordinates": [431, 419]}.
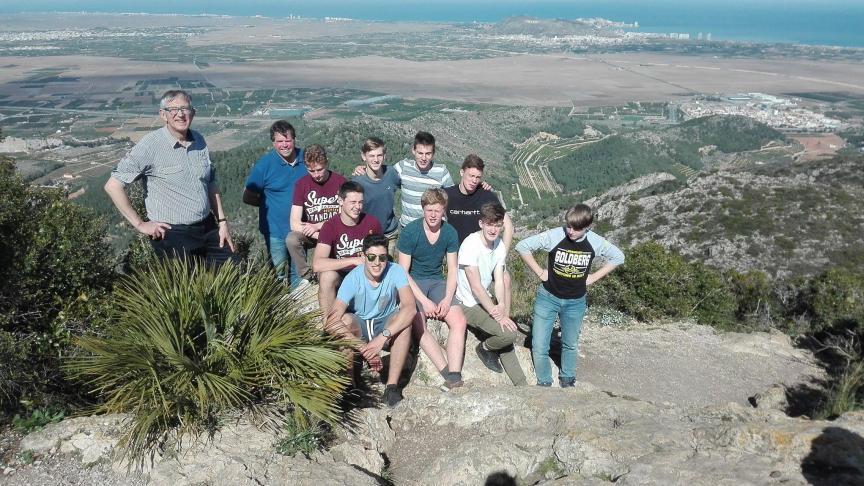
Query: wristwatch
{"type": "Point", "coordinates": [386, 333]}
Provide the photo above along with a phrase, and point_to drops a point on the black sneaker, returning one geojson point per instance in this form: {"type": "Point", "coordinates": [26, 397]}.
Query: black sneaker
{"type": "Point", "coordinates": [489, 358]}
{"type": "Point", "coordinates": [567, 382]}
{"type": "Point", "coordinates": [392, 395]}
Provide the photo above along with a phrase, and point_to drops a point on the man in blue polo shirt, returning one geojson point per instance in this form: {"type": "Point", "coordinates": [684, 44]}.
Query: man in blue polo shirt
{"type": "Point", "coordinates": [270, 186]}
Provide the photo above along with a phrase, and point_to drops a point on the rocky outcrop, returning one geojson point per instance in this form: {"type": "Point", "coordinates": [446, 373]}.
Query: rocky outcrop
{"type": "Point", "coordinates": [639, 415]}
{"type": "Point", "coordinates": [238, 454]}
{"type": "Point", "coordinates": [588, 436]}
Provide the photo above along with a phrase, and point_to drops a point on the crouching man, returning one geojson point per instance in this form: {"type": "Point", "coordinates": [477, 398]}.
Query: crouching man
{"type": "Point", "coordinates": [481, 257]}
{"type": "Point", "coordinates": [375, 304]}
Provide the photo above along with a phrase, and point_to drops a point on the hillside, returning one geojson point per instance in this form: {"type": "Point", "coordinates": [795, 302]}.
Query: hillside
{"type": "Point", "coordinates": [784, 219]}
{"type": "Point", "coordinates": [626, 156]}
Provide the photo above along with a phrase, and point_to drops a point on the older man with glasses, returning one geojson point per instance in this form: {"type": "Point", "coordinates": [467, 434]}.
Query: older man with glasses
{"type": "Point", "coordinates": [184, 206]}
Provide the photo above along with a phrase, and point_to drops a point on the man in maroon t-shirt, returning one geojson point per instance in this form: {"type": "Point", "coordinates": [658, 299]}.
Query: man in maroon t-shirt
{"type": "Point", "coordinates": [340, 243]}
{"type": "Point", "coordinates": [316, 199]}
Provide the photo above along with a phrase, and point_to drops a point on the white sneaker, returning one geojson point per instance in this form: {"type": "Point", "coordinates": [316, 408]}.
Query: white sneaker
{"type": "Point", "coordinates": [299, 291]}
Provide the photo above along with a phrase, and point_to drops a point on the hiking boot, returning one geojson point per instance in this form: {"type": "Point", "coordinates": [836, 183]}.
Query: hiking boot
{"type": "Point", "coordinates": [392, 395]}
{"type": "Point", "coordinates": [567, 382]}
{"type": "Point", "coordinates": [489, 358]}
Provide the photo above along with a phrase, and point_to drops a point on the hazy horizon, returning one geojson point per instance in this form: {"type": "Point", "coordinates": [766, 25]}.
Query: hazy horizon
{"type": "Point", "coordinates": [833, 22]}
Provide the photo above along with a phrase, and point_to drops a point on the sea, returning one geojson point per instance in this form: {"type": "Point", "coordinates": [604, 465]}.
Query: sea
{"type": "Point", "coordinates": [814, 22]}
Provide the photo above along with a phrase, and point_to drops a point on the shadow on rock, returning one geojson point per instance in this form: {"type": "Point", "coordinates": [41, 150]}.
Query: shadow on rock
{"type": "Point", "coordinates": [836, 458]}
{"type": "Point", "coordinates": [808, 399]}
{"type": "Point", "coordinates": [500, 478]}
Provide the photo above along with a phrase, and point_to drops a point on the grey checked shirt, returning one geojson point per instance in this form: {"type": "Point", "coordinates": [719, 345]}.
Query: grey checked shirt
{"type": "Point", "coordinates": [177, 179]}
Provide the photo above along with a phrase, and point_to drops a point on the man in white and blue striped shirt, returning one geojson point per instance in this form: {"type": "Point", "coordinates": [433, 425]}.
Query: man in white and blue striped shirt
{"type": "Point", "coordinates": [418, 175]}
{"type": "Point", "coordinates": [184, 205]}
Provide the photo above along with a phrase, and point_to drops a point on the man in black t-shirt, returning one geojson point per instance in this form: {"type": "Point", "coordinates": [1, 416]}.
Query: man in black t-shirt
{"type": "Point", "coordinates": [464, 201]}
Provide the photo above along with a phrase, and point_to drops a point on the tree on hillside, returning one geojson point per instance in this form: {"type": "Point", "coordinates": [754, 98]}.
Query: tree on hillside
{"type": "Point", "coordinates": [54, 264]}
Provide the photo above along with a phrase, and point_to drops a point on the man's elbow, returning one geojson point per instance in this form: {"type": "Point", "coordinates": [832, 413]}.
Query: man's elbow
{"type": "Point", "coordinates": [318, 264]}
{"type": "Point", "coordinates": [251, 198]}
{"type": "Point", "coordinates": [110, 185]}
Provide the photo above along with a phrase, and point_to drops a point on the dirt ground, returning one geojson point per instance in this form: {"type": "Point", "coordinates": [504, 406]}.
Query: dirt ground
{"type": "Point", "coordinates": [523, 80]}
{"type": "Point", "coordinates": [819, 146]}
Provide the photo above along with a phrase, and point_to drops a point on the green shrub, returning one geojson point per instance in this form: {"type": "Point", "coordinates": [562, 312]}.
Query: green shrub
{"type": "Point", "coordinates": [305, 437]}
{"type": "Point", "coordinates": [656, 283]}
{"type": "Point", "coordinates": [844, 395]}
{"type": "Point", "coordinates": [188, 346]}
{"type": "Point", "coordinates": [56, 270]}
{"type": "Point", "coordinates": [37, 419]}
{"type": "Point", "coordinates": [834, 301]}
{"type": "Point", "coordinates": [758, 306]}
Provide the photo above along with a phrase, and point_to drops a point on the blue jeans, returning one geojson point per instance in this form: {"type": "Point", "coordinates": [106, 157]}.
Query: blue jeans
{"type": "Point", "coordinates": [280, 259]}
{"type": "Point", "coordinates": [570, 312]}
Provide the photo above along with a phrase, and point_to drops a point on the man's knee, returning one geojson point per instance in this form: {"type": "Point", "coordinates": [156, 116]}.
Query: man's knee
{"type": "Point", "coordinates": [330, 279]}
{"type": "Point", "coordinates": [294, 240]}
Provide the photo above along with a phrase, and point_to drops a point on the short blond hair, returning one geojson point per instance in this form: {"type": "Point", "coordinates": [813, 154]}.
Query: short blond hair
{"type": "Point", "coordinates": [435, 195]}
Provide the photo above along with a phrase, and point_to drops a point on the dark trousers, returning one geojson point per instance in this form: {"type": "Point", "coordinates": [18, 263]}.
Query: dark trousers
{"type": "Point", "coordinates": [197, 241]}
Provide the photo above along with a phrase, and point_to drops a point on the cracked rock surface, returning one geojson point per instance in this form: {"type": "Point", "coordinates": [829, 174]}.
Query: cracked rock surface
{"type": "Point", "coordinates": [653, 405]}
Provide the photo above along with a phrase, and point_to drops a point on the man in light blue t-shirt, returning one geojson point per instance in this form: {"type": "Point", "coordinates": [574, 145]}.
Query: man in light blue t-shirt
{"type": "Point", "coordinates": [270, 187]}
{"type": "Point", "coordinates": [375, 303]}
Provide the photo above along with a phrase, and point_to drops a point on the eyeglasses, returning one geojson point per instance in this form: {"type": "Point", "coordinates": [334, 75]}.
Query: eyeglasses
{"type": "Point", "coordinates": [179, 109]}
{"type": "Point", "coordinates": [371, 257]}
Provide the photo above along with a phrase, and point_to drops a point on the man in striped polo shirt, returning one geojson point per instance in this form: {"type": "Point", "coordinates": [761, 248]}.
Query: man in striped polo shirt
{"type": "Point", "coordinates": [418, 175]}
{"type": "Point", "coordinates": [184, 205]}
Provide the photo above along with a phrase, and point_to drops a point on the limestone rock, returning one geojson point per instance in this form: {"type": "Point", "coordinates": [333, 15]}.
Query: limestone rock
{"type": "Point", "coordinates": [370, 428]}
{"type": "Point", "coordinates": [94, 438]}
{"type": "Point", "coordinates": [591, 435]}
{"type": "Point", "coordinates": [773, 398]}
{"type": "Point", "coordinates": [356, 455]}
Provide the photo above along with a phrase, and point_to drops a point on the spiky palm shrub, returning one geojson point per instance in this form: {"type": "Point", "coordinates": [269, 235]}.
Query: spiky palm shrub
{"type": "Point", "coordinates": [189, 346]}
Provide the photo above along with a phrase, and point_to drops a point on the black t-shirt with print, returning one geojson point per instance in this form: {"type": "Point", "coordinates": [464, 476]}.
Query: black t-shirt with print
{"type": "Point", "coordinates": [463, 211]}
{"type": "Point", "coordinates": [569, 263]}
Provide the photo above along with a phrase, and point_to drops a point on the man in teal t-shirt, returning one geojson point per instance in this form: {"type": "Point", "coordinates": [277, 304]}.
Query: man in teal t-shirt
{"type": "Point", "coordinates": [424, 244]}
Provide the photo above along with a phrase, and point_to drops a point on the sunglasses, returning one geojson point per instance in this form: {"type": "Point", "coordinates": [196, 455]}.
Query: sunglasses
{"type": "Point", "coordinates": [371, 257]}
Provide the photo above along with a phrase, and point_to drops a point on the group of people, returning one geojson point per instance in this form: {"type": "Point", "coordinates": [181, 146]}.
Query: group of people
{"type": "Point", "coordinates": [450, 244]}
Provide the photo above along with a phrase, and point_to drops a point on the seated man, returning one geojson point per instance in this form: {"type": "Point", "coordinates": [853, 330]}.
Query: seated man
{"type": "Point", "coordinates": [315, 200]}
{"type": "Point", "coordinates": [423, 246]}
{"type": "Point", "coordinates": [481, 257]}
{"type": "Point", "coordinates": [340, 242]}
{"type": "Point", "coordinates": [381, 309]}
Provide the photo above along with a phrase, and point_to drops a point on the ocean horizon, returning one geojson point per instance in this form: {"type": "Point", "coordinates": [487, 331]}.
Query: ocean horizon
{"type": "Point", "coordinates": [831, 22]}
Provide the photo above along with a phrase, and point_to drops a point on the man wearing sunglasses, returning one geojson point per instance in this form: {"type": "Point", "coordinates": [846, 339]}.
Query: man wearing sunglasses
{"type": "Point", "coordinates": [340, 242]}
{"type": "Point", "coordinates": [184, 205]}
{"type": "Point", "coordinates": [381, 309]}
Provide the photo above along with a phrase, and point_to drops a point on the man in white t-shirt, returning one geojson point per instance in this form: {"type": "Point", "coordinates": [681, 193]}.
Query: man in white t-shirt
{"type": "Point", "coordinates": [481, 257]}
